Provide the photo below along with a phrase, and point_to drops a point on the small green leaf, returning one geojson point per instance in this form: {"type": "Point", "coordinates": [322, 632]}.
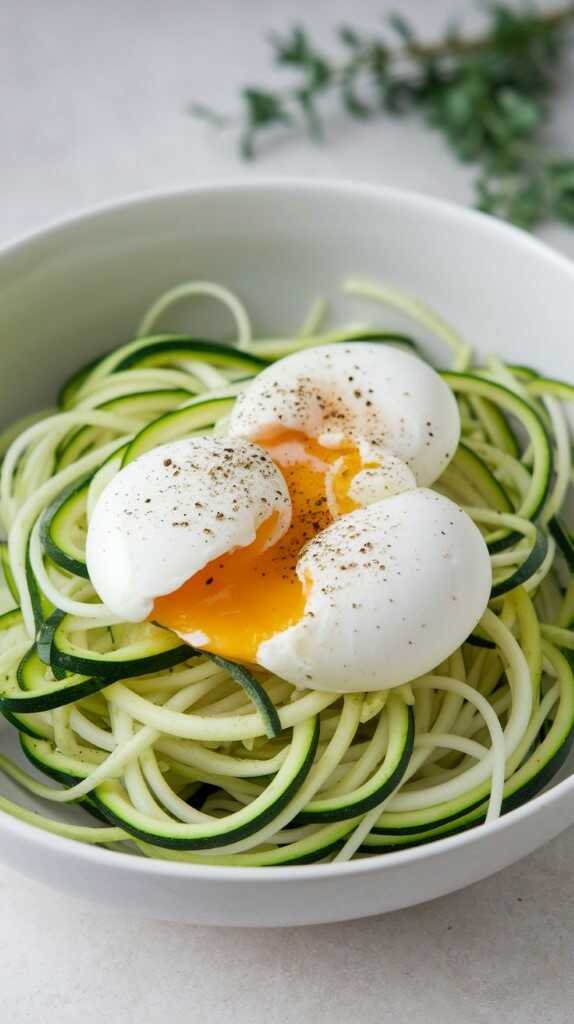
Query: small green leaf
{"type": "Point", "coordinates": [378, 72]}
{"type": "Point", "coordinates": [486, 198]}
{"type": "Point", "coordinates": [261, 110]}
{"type": "Point", "coordinates": [352, 102]}
{"type": "Point", "coordinates": [561, 182]}
{"type": "Point", "coordinates": [563, 208]}
{"type": "Point", "coordinates": [309, 111]}
{"type": "Point", "coordinates": [264, 108]}
{"type": "Point", "coordinates": [523, 113]}
{"type": "Point", "coordinates": [297, 51]}
{"type": "Point", "coordinates": [459, 107]}
{"type": "Point", "coordinates": [488, 96]}
{"type": "Point", "coordinates": [293, 48]}
{"type": "Point", "coordinates": [397, 97]}
{"type": "Point", "coordinates": [349, 37]}
{"type": "Point", "coordinates": [527, 207]}
{"type": "Point", "coordinates": [402, 28]}
{"type": "Point", "coordinates": [468, 144]}
{"type": "Point", "coordinates": [561, 173]}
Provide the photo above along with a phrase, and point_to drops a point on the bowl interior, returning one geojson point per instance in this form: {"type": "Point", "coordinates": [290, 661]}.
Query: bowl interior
{"type": "Point", "coordinates": [75, 292]}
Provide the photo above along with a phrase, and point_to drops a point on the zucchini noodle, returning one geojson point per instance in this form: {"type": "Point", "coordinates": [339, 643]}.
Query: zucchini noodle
{"type": "Point", "coordinates": [195, 288]}
{"type": "Point", "coordinates": [184, 756]}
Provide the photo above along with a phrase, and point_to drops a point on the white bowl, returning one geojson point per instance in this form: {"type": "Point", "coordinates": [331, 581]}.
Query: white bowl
{"type": "Point", "coordinates": [74, 291]}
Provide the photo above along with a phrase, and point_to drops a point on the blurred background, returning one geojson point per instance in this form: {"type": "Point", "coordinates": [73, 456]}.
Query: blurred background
{"type": "Point", "coordinates": [95, 97]}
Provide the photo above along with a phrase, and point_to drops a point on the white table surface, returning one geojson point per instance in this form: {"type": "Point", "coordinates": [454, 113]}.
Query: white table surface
{"type": "Point", "coordinates": [92, 108]}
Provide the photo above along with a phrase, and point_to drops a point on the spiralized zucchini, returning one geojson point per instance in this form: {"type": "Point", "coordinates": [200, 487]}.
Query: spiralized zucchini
{"type": "Point", "coordinates": [183, 755]}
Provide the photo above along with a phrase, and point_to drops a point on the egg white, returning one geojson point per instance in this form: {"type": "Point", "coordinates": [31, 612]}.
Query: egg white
{"type": "Point", "coordinates": [164, 516]}
{"type": "Point", "coordinates": [393, 406]}
{"type": "Point", "coordinates": [394, 589]}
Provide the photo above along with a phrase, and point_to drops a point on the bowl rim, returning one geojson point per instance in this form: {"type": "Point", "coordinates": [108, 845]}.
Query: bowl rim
{"type": "Point", "coordinates": [285, 874]}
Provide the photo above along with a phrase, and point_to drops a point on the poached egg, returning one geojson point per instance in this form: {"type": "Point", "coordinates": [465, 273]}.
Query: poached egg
{"type": "Point", "coordinates": [389, 407]}
{"type": "Point", "coordinates": [307, 541]}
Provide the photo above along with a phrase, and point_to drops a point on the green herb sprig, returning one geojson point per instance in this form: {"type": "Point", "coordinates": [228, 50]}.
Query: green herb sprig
{"type": "Point", "coordinates": [488, 96]}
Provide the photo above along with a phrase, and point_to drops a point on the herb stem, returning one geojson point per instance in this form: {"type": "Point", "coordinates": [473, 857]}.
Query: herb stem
{"type": "Point", "coordinates": [487, 94]}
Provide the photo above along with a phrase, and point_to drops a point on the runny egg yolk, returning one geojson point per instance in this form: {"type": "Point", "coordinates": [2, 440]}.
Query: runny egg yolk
{"type": "Point", "coordinates": [246, 596]}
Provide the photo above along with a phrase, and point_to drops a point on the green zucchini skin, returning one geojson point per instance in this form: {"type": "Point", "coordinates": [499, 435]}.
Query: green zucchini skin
{"type": "Point", "coordinates": [497, 427]}
{"type": "Point", "coordinates": [47, 759]}
{"type": "Point", "coordinates": [64, 778]}
{"type": "Point", "coordinates": [531, 777]}
{"type": "Point", "coordinates": [70, 503]}
{"type": "Point", "coordinates": [272, 350]}
{"type": "Point", "coordinates": [378, 337]}
{"type": "Point", "coordinates": [109, 672]}
{"type": "Point", "coordinates": [254, 691]}
{"type": "Point", "coordinates": [316, 848]}
{"type": "Point", "coordinates": [25, 692]}
{"type": "Point", "coordinates": [380, 843]}
{"type": "Point", "coordinates": [155, 350]}
{"type": "Point", "coordinates": [313, 857]}
{"type": "Point", "coordinates": [480, 641]}
{"type": "Point", "coordinates": [54, 524]}
{"type": "Point", "coordinates": [470, 464]}
{"type": "Point", "coordinates": [161, 348]}
{"type": "Point", "coordinates": [56, 650]}
{"type": "Point", "coordinates": [31, 747]}
{"type": "Point", "coordinates": [147, 405]}
{"type": "Point", "coordinates": [73, 384]}
{"type": "Point", "coordinates": [342, 808]}
{"type": "Point", "coordinates": [422, 826]}
{"type": "Point", "coordinates": [563, 540]}
{"type": "Point", "coordinates": [45, 637]}
{"type": "Point", "coordinates": [7, 571]}
{"type": "Point", "coordinates": [472, 384]}
{"type": "Point", "coordinates": [171, 349]}
{"type": "Point", "coordinates": [391, 840]}
{"type": "Point", "coordinates": [41, 607]}
{"type": "Point", "coordinates": [48, 696]}
{"type": "Point", "coordinates": [26, 724]}
{"type": "Point", "coordinates": [560, 389]}
{"type": "Point", "coordinates": [525, 571]}
{"type": "Point", "coordinates": [82, 672]}
{"type": "Point", "coordinates": [10, 619]}
{"type": "Point", "coordinates": [101, 799]}
{"type": "Point", "coordinates": [196, 417]}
